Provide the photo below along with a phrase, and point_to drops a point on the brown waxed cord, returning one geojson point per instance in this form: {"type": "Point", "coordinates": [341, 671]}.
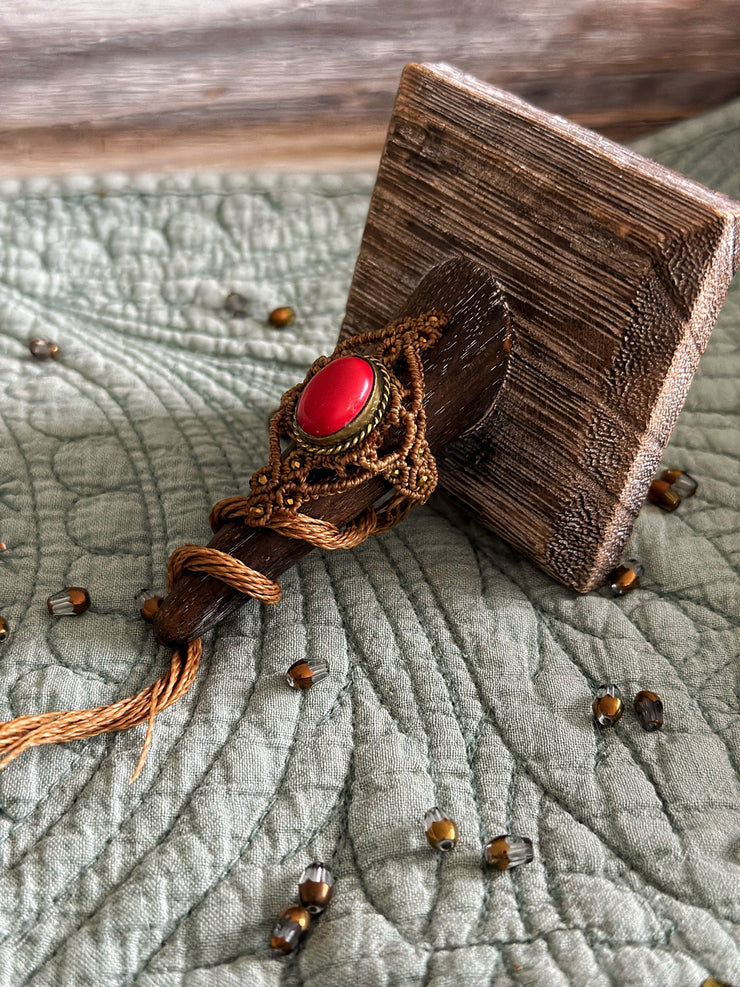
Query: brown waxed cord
{"type": "Point", "coordinates": [410, 468]}
{"type": "Point", "coordinates": [23, 732]}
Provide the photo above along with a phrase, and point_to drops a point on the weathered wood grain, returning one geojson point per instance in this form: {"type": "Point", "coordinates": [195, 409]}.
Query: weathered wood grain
{"type": "Point", "coordinates": [615, 269]}
{"type": "Point", "coordinates": [330, 68]}
{"type": "Point", "coordinates": [478, 331]}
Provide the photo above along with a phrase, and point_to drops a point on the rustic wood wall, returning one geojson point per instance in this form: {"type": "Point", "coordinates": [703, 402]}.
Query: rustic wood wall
{"type": "Point", "coordinates": [281, 83]}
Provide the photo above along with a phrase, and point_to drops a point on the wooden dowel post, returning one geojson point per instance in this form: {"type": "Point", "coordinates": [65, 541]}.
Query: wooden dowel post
{"type": "Point", "coordinates": [463, 374]}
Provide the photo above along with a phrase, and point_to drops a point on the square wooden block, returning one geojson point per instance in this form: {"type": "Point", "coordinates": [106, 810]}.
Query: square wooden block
{"type": "Point", "coordinates": [614, 268]}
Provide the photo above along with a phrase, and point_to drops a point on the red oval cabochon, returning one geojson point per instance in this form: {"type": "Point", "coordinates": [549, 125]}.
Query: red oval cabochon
{"type": "Point", "coordinates": [335, 396]}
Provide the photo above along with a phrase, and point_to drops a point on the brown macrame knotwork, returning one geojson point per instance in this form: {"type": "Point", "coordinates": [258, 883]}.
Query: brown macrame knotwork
{"type": "Point", "coordinates": [396, 448]}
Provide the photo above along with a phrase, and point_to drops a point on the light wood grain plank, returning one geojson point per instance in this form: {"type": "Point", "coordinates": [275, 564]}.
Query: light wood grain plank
{"type": "Point", "coordinates": [332, 66]}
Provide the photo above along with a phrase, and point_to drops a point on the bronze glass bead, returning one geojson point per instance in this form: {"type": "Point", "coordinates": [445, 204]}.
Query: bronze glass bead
{"type": "Point", "coordinates": [4, 630]}
{"type": "Point", "coordinates": [607, 705]}
{"type": "Point", "coordinates": [506, 851]}
{"type": "Point", "coordinates": [649, 710]}
{"type": "Point", "coordinates": [281, 317]}
{"type": "Point", "coordinates": [306, 672]}
{"type": "Point", "coordinates": [316, 887]}
{"type": "Point", "coordinates": [711, 982]}
{"type": "Point", "coordinates": [150, 608]}
{"type": "Point", "coordinates": [625, 578]}
{"type": "Point", "coordinates": [69, 601]}
{"type": "Point", "coordinates": [440, 830]}
{"type": "Point", "coordinates": [43, 349]}
{"type": "Point", "coordinates": [291, 926]}
{"type": "Point", "coordinates": [662, 493]}
{"type": "Point", "coordinates": [683, 484]}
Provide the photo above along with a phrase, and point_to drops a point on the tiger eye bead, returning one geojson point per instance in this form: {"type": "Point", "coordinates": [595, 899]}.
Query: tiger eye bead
{"type": "Point", "coordinates": [150, 608]}
{"type": "Point", "coordinates": [506, 851]}
{"type": "Point", "coordinates": [683, 484]}
{"type": "Point", "coordinates": [281, 317]}
{"type": "Point", "coordinates": [291, 926]}
{"type": "Point", "coordinates": [69, 601]}
{"type": "Point", "coordinates": [43, 349]}
{"type": "Point", "coordinates": [660, 492]}
{"type": "Point", "coordinates": [672, 487]}
{"type": "Point", "coordinates": [440, 830]}
{"type": "Point", "coordinates": [625, 578]}
{"type": "Point", "coordinates": [4, 630]}
{"type": "Point", "coordinates": [649, 710]}
{"type": "Point", "coordinates": [307, 672]}
{"type": "Point", "coordinates": [607, 705]}
{"type": "Point", "coordinates": [316, 887]}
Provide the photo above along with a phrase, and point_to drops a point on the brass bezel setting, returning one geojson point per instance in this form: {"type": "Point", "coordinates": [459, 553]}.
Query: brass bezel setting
{"type": "Point", "coordinates": [361, 425]}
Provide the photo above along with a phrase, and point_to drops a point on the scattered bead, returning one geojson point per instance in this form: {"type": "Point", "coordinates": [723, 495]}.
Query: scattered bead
{"type": "Point", "coordinates": [440, 830]}
{"type": "Point", "coordinates": [281, 317]}
{"type": "Point", "coordinates": [649, 710]}
{"type": "Point", "coordinates": [69, 601]}
{"type": "Point", "coordinates": [3, 546]}
{"type": "Point", "coordinates": [506, 851]}
{"type": "Point", "coordinates": [660, 492]}
{"type": "Point", "coordinates": [316, 887]}
{"type": "Point", "coordinates": [236, 305]}
{"type": "Point", "coordinates": [150, 608]}
{"type": "Point", "coordinates": [43, 349]}
{"type": "Point", "coordinates": [607, 706]}
{"type": "Point", "coordinates": [626, 578]}
{"type": "Point", "coordinates": [683, 483]}
{"type": "Point", "coordinates": [307, 672]}
{"type": "Point", "coordinates": [291, 926]}
{"type": "Point", "coordinates": [4, 630]}
{"type": "Point", "coordinates": [672, 487]}
{"type": "Point", "coordinates": [711, 982]}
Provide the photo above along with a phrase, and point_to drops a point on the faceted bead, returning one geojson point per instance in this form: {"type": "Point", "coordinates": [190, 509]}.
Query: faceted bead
{"type": "Point", "coordinates": [316, 887]}
{"type": "Point", "coordinates": [151, 607]}
{"type": "Point", "coordinates": [506, 851]}
{"type": "Point", "coordinates": [43, 349]}
{"type": "Point", "coordinates": [626, 578]}
{"type": "Point", "coordinates": [281, 317]}
{"type": "Point", "coordinates": [307, 672]}
{"type": "Point", "coordinates": [4, 630]}
{"type": "Point", "coordinates": [335, 396]}
{"type": "Point", "coordinates": [711, 982]}
{"type": "Point", "coordinates": [649, 710]}
{"type": "Point", "coordinates": [440, 830]}
{"type": "Point", "coordinates": [607, 705]}
{"type": "Point", "coordinates": [661, 492]}
{"type": "Point", "coordinates": [72, 600]}
{"type": "Point", "coordinates": [236, 304]}
{"type": "Point", "coordinates": [683, 484]}
{"type": "Point", "coordinates": [291, 926]}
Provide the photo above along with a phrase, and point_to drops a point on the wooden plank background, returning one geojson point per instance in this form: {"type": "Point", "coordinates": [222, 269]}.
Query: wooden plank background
{"type": "Point", "coordinates": [310, 85]}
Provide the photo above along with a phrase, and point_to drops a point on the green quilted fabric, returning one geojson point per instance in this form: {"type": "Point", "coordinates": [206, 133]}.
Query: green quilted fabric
{"type": "Point", "coordinates": [460, 674]}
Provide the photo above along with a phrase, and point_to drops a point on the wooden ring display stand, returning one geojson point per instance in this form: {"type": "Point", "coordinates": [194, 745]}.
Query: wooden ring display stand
{"type": "Point", "coordinates": [613, 270]}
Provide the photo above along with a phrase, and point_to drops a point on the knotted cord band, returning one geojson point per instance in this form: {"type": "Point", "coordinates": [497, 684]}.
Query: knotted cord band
{"type": "Point", "coordinates": [278, 491]}
{"type": "Point", "coordinates": [18, 735]}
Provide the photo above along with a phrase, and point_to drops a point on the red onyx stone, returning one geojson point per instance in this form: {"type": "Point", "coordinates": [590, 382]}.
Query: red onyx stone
{"type": "Point", "coordinates": [335, 396]}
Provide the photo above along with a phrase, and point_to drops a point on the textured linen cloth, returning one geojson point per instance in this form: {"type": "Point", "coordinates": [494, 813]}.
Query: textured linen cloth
{"type": "Point", "coordinates": [460, 674]}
